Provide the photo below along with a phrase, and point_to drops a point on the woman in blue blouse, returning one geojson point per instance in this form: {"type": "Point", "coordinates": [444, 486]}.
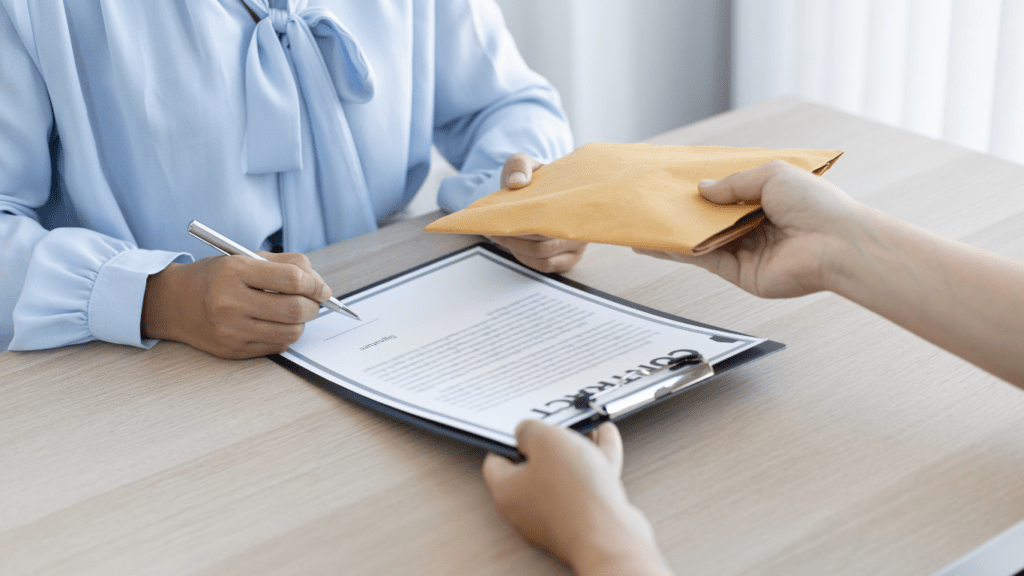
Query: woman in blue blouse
{"type": "Point", "coordinates": [280, 123]}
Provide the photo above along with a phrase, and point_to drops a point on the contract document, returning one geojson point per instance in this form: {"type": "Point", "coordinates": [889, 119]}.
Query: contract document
{"type": "Point", "coordinates": [478, 342]}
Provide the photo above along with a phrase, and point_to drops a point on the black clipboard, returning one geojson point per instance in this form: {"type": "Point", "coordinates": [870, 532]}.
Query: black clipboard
{"type": "Point", "coordinates": [691, 373]}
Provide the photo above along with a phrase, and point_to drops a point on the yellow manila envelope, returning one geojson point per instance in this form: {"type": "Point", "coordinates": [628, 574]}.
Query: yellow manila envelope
{"type": "Point", "coordinates": [642, 195]}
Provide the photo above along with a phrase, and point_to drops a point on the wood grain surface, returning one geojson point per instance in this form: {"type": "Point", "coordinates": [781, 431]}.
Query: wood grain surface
{"type": "Point", "coordinates": [858, 450]}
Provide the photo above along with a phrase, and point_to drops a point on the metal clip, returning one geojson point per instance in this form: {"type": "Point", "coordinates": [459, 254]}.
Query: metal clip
{"type": "Point", "coordinates": [681, 373]}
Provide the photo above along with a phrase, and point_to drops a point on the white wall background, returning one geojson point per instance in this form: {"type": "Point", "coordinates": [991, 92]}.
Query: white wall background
{"type": "Point", "coordinates": [630, 69]}
{"type": "Point", "coordinates": [626, 69]}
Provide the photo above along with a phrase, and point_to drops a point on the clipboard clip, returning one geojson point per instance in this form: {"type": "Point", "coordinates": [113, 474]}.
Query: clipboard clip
{"type": "Point", "coordinates": [684, 371]}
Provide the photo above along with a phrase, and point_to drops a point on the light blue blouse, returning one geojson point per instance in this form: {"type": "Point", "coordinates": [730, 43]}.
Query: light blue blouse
{"type": "Point", "coordinates": [122, 121]}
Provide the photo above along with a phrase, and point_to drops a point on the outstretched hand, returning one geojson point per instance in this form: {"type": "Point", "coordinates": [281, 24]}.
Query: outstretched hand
{"type": "Point", "coordinates": [567, 498]}
{"type": "Point", "coordinates": [794, 252]}
{"type": "Point", "coordinates": [541, 253]}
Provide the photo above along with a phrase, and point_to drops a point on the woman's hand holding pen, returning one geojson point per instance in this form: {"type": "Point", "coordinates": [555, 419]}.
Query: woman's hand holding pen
{"type": "Point", "coordinates": [234, 306]}
{"type": "Point", "coordinates": [567, 498]}
{"type": "Point", "coordinates": [538, 252]}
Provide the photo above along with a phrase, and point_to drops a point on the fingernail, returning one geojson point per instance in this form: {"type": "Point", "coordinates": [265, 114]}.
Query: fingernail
{"type": "Point", "coordinates": [516, 178]}
{"type": "Point", "coordinates": [706, 182]}
{"type": "Point", "coordinates": [325, 293]}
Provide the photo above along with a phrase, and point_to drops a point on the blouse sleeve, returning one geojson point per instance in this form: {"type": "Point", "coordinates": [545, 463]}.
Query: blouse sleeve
{"type": "Point", "coordinates": [69, 284]}
{"type": "Point", "coordinates": [488, 103]}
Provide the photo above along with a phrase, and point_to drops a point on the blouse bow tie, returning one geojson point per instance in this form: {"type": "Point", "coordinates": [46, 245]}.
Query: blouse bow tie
{"type": "Point", "coordinates": [311, 41]}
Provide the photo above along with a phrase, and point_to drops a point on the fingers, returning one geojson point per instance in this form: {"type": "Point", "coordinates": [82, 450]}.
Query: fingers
{"type": "Point", "coordinates": [234, 343]}
{"type": "Point", "coordinates": [534, 437]}
{"type": "Point", "coordinates": [297, 259]}
{"type": "Point", "coordinates": [269, 332]}
{"type": "Point", "coordinates": [542, 253]}
{"type": "Point", "coordinates": [254, 307]}
{"type": "Point", "coordinates": [555, 264]}
{"type": "Point", "coordinates": [743, 186]}
{"type": "Point", "coordinates": [239, 289]}
{"type": "Point", "coordinates": [722, 262]}
{"type": "Point", "coordinates": [518, 171]}
{"type": "Point", "coordinates": [539, 247]}
{"type": "Point", "coordinates": [234, 335]}
{"type": "Point", "coordinates": [710, 261]}
{"type": "Point", "coordinates": [279, 308]}
{"type": "Point", "coordinates": [293, 258]}
{"type": "Point", "coordinates": [288, 274]}
{"type": "Point", "coordinates": [666, 255]}
{"type": "Point", "coordinates": [253, 350]}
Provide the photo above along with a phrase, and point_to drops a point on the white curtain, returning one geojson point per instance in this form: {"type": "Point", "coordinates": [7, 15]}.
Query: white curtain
{"type": "Point", "coordinates": [951, 69]}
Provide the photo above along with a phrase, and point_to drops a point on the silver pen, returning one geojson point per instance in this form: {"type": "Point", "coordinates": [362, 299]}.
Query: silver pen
{"type": "Point", "coordinates": [232, 248]}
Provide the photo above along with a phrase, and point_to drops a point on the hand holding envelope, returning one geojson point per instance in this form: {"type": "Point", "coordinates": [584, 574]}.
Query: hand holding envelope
{"type": "Point", "coordinates": [640, 195]}
{"type": "Point", "coordinates": [542, 253]}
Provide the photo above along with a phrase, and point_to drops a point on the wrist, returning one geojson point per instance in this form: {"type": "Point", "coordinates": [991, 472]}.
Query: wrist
{"type": "Point", "coordinates": [619, 543]}
{"type": "Point", "coordinates": [854, 239]}
{"type": "Point", "coordinates": [158, 318]}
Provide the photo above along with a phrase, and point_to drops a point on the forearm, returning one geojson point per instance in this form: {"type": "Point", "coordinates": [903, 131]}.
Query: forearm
{"type": "Point", "coordinates": [479, 146]}
{"type": "Point", "coordinates": [488, 103]}
{"type": "Point", "coordinates": [645, 562]}
{"type": "Point", "coordinates": [963, 299]}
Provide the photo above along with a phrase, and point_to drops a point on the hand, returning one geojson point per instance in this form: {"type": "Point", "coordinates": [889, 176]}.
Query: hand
{"type": "Point", "coordinates": [221, 305]}
{"type": "Point", "coordinates": [538, 252]}
{"type": "Point", "coordinates": [567, 498]}
{"type": "Point", "coordinates": [796, 251]}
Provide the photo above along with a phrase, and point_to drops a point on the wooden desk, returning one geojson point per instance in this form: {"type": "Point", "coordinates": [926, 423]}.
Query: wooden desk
{"type": "Point", "coordinates": [859, 450]}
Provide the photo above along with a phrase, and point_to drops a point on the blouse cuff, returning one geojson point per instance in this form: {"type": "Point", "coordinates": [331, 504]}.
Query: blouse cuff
{"type": "Point", "coordinates": [461, 190]}
{"type": "Point", "coordinates": [83, 286]}
{"type": "Point", "coordinates": [115, 306]}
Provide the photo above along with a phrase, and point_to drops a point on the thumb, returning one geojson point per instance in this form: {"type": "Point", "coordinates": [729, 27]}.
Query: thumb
{"type": "Point", "coordinates": [610, 442]}
{"type": "Point", "coordinates": [526, 434]}
{"type": "Point", "coordinates": [518, 171]}
{"type": "Point", "coordinates": [497, 470]}
{"type": "Point", "coordinates": [743, 186]}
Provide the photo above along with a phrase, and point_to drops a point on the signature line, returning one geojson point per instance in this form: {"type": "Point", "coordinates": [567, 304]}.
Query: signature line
{"type": "Point", "coordinates": [351, 329]}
